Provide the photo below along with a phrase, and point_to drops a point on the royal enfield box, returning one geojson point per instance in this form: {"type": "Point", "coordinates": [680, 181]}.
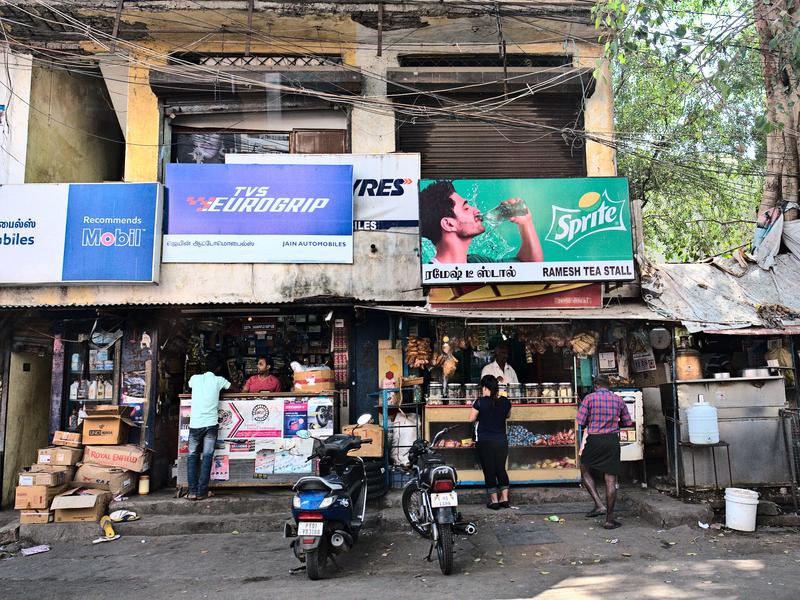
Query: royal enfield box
{"type": "Point", "coordinates": [367, 432]}
{"type": "Point", "coordinates": [36, 516]}
{"type": "Point", "coordinates": [69, 472]}
{"type": "Point", "coordinates": [36, 496]}
{"type": "Point", "coordinates": [107, 425]}
{"type": "Point", "coordinates": [129, 457]}
{"type": "Point", "coordinates": [71, 439]}
{"type": "Point", "coordinates": [52, 479]}
{"type": "Point", "coordinates": [60, 456]}
{"type": "Point", "coordinates": [80, 504]}
{"type": "Point", "coordinates": [319, 380]}
{"type": "Point", "coordinates": [116, 481]}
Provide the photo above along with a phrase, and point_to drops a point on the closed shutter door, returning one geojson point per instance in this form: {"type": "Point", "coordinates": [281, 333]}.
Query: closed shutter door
{"type": "Point", "coordinates": [461, 149]}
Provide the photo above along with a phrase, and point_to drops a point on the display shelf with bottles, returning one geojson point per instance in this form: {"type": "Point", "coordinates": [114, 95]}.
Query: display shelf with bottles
{"type": "Point", "coordinates": [543, 444]}
{"type": "Point", "coordinates": [90, 377]}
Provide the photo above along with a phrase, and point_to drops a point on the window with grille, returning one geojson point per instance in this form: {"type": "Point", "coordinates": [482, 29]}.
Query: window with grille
{"type": "Point", "coordinates": [484, 60]}
{"type": "Point", "coordinates": [258, 60]}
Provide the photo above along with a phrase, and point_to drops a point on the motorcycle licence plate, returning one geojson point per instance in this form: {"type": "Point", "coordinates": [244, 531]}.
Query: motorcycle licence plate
{"type": "Point", "coordinates": [444, 500]}
{"type": "Point", "coordinates": [312, 528]}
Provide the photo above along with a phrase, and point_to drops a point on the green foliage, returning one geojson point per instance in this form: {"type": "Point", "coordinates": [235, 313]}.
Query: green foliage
{"type": "Point", "coordinates": [689, 104]}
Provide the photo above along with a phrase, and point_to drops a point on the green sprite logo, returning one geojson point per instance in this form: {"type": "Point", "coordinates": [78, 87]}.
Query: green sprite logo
{"type": "Point", "coordinates": [595, 213]}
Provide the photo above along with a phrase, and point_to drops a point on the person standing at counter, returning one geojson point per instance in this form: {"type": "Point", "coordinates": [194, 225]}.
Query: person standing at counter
{"type": "Point", "coordinates": [500, 368]}
{"type": "Point", "coordinates": [203, 429]}
{"type": "Point", "coordinates": [600, 414]}
{"type": "Point", "coordinates": [264, 380]}
{"type": "Point", "coordinates": [490, 413]}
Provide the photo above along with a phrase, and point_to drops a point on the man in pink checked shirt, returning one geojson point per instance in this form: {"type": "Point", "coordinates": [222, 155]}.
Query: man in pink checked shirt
{"type": "Point", "coordinates": [600, 414]}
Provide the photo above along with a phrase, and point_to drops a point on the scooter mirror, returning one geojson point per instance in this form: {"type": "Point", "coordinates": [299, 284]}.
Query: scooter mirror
{"type": "Point", "coordinates": [364, 419]}
{"type": "Point", "coordinates": [303, 434]}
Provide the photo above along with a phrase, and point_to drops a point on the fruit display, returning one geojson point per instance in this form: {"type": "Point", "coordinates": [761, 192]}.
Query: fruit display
{"type": "Point", "coordinates": [521, 436]}
{"type": "Point", "coordinates": [465, 443]}
{"type": "Point", "coordinates": [418, 352]}
{"type": "Point", "coordinates": [558, 463]}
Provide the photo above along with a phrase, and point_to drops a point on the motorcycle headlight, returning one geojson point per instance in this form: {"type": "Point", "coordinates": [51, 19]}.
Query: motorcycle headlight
{"type": "Point", "coordinates": [326, 502]}
{"type": "Point", "coordinates": [296, 502]}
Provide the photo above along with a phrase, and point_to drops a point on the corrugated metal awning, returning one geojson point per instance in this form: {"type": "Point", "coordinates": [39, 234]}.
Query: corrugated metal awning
{"type": "Point", "coordinates": [617, 312]}
{"type": "Point", "coordinates": [723, 296]}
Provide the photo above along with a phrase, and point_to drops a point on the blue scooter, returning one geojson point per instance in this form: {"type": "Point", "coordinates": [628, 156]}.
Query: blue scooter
{"type": "Point", "coordinates": [329, 510]}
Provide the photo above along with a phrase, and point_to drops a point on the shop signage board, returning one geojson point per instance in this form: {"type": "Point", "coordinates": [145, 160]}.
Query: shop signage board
{"type": "Point", "coordinates": [518, 296]}
{"type": "Point", "coordinates": [259, 214]}
{"type": "Point", "coordinates": [385, 186]}
{"type": "Point", "coordinates": [573, 230]}
{"type": "Point", "coordinates": [71, 233]}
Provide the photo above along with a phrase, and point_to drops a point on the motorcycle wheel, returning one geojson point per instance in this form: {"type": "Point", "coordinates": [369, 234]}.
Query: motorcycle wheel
{"type": "Point", "coordinates": [412, 509]}
{"type": "Point", "coordinates": [444, 548]}
{"type": "Point", "coordinates": [315, 562]}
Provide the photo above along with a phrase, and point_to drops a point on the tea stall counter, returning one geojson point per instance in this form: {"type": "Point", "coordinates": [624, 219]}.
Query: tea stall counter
{"type": "Point", "coordinates": [543, 443]}
{"type": "Point", "coordinates": [257, 444]}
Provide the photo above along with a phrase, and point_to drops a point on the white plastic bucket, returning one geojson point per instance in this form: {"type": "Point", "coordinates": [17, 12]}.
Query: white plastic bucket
{"type": "Point", "coordinates": [740, 509]}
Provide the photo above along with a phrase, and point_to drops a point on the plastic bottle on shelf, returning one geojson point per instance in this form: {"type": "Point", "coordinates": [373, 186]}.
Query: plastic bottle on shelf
{"type": "Point", "coordinates": [83, 389]}
{"type": "Point", "coordinates": [101, 389]}
{"type": "Point", "coordinates": [73, 390]}
{"type": "Point", "coordinates": [109, 390]}
{"type": "Point", "coordinates": [92, 390]}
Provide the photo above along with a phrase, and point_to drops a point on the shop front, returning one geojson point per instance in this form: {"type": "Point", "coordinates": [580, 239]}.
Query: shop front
{"type": "Point", "coordinates": [289, 369]}
{"type": "Point", "coordinates": [548, 359]}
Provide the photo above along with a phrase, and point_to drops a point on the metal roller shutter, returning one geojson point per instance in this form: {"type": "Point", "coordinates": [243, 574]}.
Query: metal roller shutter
{"type": "Point", "coordinates": [476, 150]}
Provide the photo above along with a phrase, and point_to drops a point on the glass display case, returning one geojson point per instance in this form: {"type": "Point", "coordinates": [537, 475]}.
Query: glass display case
{"type": "Point", "coordinates": [91, 376]}
{"type": "Point", "coordinates": [543, 442]}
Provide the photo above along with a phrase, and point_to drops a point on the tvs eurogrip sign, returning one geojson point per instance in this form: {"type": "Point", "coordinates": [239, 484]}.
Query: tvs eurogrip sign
{"type": "Point", "coordinates": [259, 214]}
{"type": "Point", "coordinates": [80, 233]}
{"type": "Point", "coordinates": [525, 230]}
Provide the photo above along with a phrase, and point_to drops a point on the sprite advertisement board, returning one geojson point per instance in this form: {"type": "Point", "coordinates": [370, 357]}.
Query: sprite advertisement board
{"type": "Point", "coordinates": [525, 230]}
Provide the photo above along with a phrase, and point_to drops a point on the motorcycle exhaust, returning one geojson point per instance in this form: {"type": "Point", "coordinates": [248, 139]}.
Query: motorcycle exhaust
{"type": "Point", "coordinates": [466, 528]}
{"type": "Point", "coordinates": [341, 539]}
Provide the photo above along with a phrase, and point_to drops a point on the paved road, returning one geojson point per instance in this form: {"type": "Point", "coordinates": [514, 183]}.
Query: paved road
{"type": "Point", "coordinates": [574, 560]}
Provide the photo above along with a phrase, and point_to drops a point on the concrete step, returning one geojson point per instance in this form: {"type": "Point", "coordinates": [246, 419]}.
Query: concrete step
{"type": "Point", "coordinates": [251, 503]}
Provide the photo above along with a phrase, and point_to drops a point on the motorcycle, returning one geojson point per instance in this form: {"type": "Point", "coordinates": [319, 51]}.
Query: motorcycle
{"type": "Point", "coordinates": [430, 502]}
{"type": "Point", "coordinates": [328, 510]}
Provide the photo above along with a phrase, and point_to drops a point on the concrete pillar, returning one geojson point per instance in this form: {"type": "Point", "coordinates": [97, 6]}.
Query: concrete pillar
{"type": "Point", "coordinates": [601, 158]}
{"type": "Point", "coordinates": [143, 127]}
{"type": "Point", "coordinates": [372, 131]}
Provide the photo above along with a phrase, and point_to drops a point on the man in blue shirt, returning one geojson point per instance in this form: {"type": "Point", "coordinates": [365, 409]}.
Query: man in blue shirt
{"type": "Point", "coordinates": [203, 429]}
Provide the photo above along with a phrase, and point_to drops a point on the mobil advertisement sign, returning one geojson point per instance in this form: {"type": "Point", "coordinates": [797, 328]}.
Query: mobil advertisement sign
{"type": "Point", "coordinates": [385, 186]}
{"type": "Point", "coordinates": [259, 214]}
{"type": "Point", "coordinates": [525, 231]}
{"type": "Point", "coordinates": [80, 233]}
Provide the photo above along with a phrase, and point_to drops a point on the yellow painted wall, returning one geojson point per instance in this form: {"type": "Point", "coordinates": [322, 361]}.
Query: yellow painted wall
{"type": "Point", "coordinates": [144, 123]}
{"type": "Point", "coordinates": [73, 134]}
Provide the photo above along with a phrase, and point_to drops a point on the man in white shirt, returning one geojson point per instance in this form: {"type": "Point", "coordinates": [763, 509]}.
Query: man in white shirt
{"type": "Point", "coordinates": [203, 429]}
{"type": "Point", "coordinates": [500, 368]}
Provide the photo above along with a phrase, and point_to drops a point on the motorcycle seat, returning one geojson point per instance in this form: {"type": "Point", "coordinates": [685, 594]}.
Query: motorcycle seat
{"type": "Point", "coordinates": [317, 483]}
{"type": "Point", "coordinates": [428, 460]}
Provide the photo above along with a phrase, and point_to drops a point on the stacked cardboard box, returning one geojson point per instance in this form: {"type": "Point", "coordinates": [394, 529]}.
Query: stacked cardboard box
{"type": "Point", "coordinates": [43, 481]}
{"type": "Point", "coordinates": [108, 464]}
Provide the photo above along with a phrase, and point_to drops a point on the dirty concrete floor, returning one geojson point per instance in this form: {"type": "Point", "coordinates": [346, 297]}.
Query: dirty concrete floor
{"type": "Point", "coordinates": [577, 561]}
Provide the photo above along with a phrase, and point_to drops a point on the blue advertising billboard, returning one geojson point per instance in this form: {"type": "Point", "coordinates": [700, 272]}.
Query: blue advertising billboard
{"type": "Point", "coordinates": [80, 233]}
{"type": "Point", "coordinates": [259, 214]}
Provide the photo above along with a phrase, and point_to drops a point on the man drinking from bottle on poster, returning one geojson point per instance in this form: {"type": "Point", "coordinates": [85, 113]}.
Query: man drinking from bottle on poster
{"type": "Point", "coordinates": [451, 223]}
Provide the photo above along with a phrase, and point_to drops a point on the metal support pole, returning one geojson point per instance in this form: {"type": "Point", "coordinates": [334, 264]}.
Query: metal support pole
{"type": "Point", "coordinates": [250, 8]}
{"type": "Point", "coordinates": [677, 458]}
{"type": "Point", "coordinates": [115, 31]}
{"type": "Point", "coordinates": [380, 28]}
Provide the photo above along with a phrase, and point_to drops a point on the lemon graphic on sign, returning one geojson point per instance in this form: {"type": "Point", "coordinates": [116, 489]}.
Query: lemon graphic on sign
{"type": "Point", "coordinates": [588, 200]}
